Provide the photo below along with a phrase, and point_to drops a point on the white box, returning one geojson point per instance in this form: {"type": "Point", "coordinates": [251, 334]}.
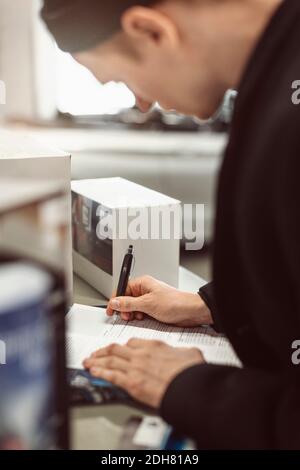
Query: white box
{"type": "Point", "coordinates": [23, 157]}
{"type": "Point", "coordinates": [109, 214]}
{"type": "Point", "coordinates": [26, 157]}
{"type": "Point", "coordinates": [33, 223]}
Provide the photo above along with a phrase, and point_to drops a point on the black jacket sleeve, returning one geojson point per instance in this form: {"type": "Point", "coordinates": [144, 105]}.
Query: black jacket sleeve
{"type": "Point", "coordinates": [231, 408]}
{"type": "Point", "coordinates": [207, 295]}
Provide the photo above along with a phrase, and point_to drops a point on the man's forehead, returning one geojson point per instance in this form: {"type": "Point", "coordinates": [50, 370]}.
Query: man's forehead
{"type": "Point", "coordinates": [80, 24]}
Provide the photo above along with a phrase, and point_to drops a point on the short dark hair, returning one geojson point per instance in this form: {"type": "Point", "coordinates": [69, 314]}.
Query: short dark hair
{"type": "Point", "coordinates": [80, 24]}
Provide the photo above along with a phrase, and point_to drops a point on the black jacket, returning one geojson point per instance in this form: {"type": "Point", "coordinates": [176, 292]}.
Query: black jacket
{"type": "Point", "coordinates": [256, 264]}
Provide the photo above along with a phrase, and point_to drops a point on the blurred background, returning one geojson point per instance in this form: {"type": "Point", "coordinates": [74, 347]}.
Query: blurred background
{"type": "Point", "coordinates": [55, 99]}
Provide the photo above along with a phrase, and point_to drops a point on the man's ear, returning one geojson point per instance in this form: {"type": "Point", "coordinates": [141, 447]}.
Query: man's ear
{"type": "Point", "coordinates": [148, 23]}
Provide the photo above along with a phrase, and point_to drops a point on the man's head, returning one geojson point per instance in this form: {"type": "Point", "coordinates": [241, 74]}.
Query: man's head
{"type": "Point", "coordinates": [183, 54]}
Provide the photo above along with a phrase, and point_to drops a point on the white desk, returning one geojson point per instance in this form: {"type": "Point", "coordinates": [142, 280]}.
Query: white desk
{"type": "Point", "coordinates": [100, 427]}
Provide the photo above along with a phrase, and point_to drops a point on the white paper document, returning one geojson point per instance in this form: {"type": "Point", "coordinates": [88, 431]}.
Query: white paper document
{"type": "Point", "coordinates": [89, 328]}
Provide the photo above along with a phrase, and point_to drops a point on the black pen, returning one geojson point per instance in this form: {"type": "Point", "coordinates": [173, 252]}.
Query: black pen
{"type": "Point", "coordinates": [125, 273]}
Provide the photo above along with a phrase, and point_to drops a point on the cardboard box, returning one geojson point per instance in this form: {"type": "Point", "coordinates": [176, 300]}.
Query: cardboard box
{"type": "Point", "coordinates": [109, 214]}
{"type": "Point", "coordinates": [23, 157]}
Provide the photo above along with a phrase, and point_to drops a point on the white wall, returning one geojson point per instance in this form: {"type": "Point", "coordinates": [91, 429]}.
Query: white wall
{"type": "Point", "coordinates": [26, 61]}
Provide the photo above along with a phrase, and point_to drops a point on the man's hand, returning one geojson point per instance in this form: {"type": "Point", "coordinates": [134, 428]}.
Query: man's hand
{"type": "Point", "coordinates": [146, 295]}
{"type": "Point", "coordinates": [143, 368]}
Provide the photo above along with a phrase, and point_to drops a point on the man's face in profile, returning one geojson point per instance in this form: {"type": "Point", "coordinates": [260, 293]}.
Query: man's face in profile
{"type": "Point", "coordinates": [183, 54]}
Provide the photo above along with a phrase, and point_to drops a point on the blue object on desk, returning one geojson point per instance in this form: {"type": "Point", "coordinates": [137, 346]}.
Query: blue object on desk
{"type": "Point", "coordinates": [86, 389]}
{"type": "Point", "coordinates": [175, 442]}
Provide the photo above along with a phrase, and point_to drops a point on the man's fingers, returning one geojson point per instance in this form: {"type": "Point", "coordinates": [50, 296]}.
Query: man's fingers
{"type": "Point", "coordinates": [136, 343]}
{"type": "Point", "coordinates": [141, 387]}
{"type": "Point", "coordinates": [135, 384]}
{"type": "Point", "coordinates": [127, 304]}
{"type": "Point", "coordinates": [110, 310]}
{"type": "Point", "coordinates": [107, 363]}
{"type": "Point", "coordinates": [130, 316]}
{"type": "Point", "coordinates": [135, 298]}
{"type": "Point", "coordinates": [113, 350]}
{"type": "Point", "coordinates": [127, 316]}
{"type": "Point", "coordinates": [139, 315]}
{"type": "Point", "coordinates": [113, 376]}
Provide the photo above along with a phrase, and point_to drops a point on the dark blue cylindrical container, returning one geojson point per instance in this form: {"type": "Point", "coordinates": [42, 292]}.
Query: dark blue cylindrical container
{"type": "Point", "coordinates": [26, 358]}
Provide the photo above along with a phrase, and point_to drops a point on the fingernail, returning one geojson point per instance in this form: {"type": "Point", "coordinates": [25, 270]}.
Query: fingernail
{"type": "Point", "coordinates": [115, 304]}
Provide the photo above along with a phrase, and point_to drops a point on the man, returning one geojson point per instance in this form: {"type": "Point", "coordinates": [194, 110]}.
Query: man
{"type": "Point", "coordinates": [185, 54]}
